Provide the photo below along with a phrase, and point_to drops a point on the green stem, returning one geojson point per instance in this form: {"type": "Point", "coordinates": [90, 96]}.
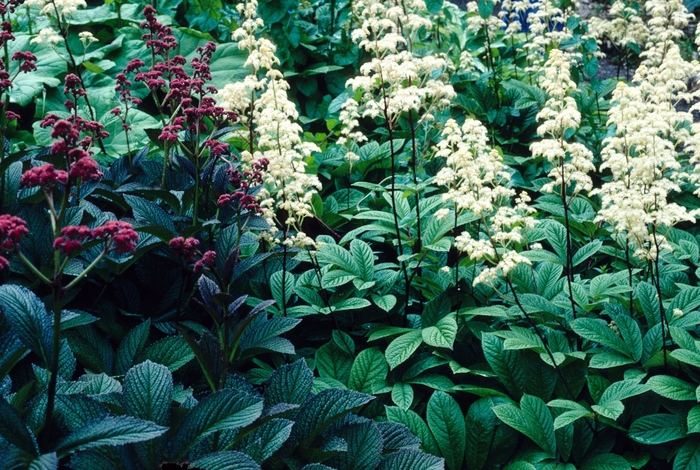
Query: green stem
{"type": "Point", "coordinates": [86, 270]}
{"type": "Point", "coordinates": [55, 353]}
{"type": "Point", "coordinates": [33, 268]}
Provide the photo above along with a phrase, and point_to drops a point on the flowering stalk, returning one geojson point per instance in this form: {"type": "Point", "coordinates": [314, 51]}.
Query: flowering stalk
{"type": "Point", "coordinates": [395, 83]}
{"type": "Point", "coordinates": [571, 160]}
{"type": "Point", "coordinates": [74, 139]}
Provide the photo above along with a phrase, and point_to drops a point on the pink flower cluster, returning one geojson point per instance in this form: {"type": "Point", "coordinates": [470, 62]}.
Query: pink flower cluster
{"type": "Point", "coordinates": [69, 144]}
{"type": "Point", "coordinates": [124, 89]}
{"type": "Point", "coordinates": [186, 95]}
{"type": "Point", "coordinates": [12, 228]}
{"type": "Point", "coordinates": [45, 176]}
{"type": "Point", "coordinates": [242, 182]}
{"type": "Point", "coordinates": [120, 235]}
{"type": "Point", "coordinates": [186, 248]}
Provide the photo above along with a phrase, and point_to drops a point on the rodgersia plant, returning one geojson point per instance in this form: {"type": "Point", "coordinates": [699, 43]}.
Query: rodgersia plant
{"type": "Point", "coordinates": [396, 84]}
{"type": "Point", "coordinates": [274, 146]}
{"type": "Point", "coordinates": [571, 161]}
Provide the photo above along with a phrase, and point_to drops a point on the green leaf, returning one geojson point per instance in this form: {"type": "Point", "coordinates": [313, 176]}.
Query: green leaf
{"type": "Point", "coordinates": [503, 363]}
{"type": "Point", "coordinates": [481, 426]}
{"type": "Point", "coordinates": [611, 409]}
{"type": "Point", "coordinates": [323, 409]}
{"type": "Point", "coordinates": [364, 259]}
{"type": "Point", "coordinates": [266, 439]}
{"type": "Point", "coordinates": [650, 303]}
{"type": "Point", "coordinates": [556, 236]}
{"type": "Point", "coordinates": [622, 390]}
{"type": "Point", "coordinates": [332, 362]}
{"type": "Point", "coordinates": [222, 410]}
{"type": "Point", "coordinates": [631, 335]}
{"type": "Point", "coordinates": [290, 383]}
{"type": "Point", "coordinates": [402, 395]}
{"type": "Point", "coordinates": [606, 462]}
{"type": "Point", "coordinates": [443, 334]}
{"type": "Point", "coordinates": [334, 254]}
{"type": "Point", "coordinates": [45, 462]}
{"type": "Point", "coordinates": [586, 251]}
{"type": "Point", "coordinates": [364, 446]}
{"type": "Point", "coordinates": [688, 457]}
{"type": "Point", "coordinates": [148, 394]}
{"type": "Point", "coordinates": [368, 368]}
{"type": "Point", "coordinates": [226, 460]}
{"type": "Point", "coordinates": [447, 424]}
{"type": "Point", "coordinates": [171, 351]}
{"type": "Point", "coordinates": [686, 356]}
{"type": "Point", "coordinates": [533, 419]}
{"type": "Point", "coordinates": [686, 300]}
{"type": "Point", "coordinates": [407, 459]}
{"type": "Point", "coordinates": [597, 331]}
{"type": "Point", "coordinates": [131, 346]}
{"type": "Point", "coordinates": [28, 319]}
{"type": "Point", "coordinates": [401, 348]}
{"type": "Point", "coordinates": [658, 428]}
{"type": "Point", "coordinates": [385, 302]}
{"type": "Point", "coordinates": [672, 387]}
{"type": "Point", "coordinates": [694, 419]}
{"type": "Point", "coordinates": [15, 431]}
{"type": "Point", "coordinates": [569, 417]}
{"type": "Point", "coordinates": [397, 436]}
{"type": "Point", "coordinates": [109, 431]}
{"type": "Point", "coordinates": [278, 288]}
{"type": "Point", "coordinates": [415, 423]}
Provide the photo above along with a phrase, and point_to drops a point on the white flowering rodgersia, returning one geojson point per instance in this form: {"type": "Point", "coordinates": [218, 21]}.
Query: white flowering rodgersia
{"type": "Point", "coordinates": [476, 178]}
{"type": "Point", "coordinates": [642, 155]}
{"type": "Point", "coordinates": [571, 161]}
{"type": "Point", "coordinates": [395, 81]}
{"type": "Point", "coordinates": [58, 12]}
{"type": "Point", "coordinates": [264, 109]}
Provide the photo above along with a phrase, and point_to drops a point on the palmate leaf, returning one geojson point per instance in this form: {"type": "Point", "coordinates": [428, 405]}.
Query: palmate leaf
{"type": "Point", "coordinates": [533, 419]}
{"type": "Point", "coordinates": [109, 431]}
{"type": "Point", "coordinates": [446, 422]}
{"type": "Point", "coordinates": [225, 409]}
